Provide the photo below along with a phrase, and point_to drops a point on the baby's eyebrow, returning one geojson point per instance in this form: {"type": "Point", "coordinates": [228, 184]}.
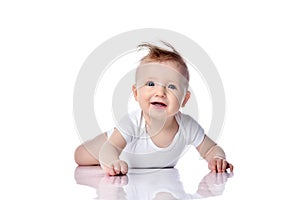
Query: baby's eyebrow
{"type": "Point", "coordinates": [150, 78]}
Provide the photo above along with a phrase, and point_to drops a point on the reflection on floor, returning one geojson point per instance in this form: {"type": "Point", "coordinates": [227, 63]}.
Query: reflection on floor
{"type": "Point", "coordinates": [147, 184]}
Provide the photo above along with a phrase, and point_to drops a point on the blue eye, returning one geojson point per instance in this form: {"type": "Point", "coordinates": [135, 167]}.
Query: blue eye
{"type": "Point", "coordinates": [173, 87]}
{"type": "Point", "coordinates": [150, 83]}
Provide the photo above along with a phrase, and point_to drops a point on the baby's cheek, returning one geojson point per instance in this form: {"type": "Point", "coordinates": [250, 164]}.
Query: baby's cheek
{"type": "Point", "coordinates": [177, 103]}
{"type": "Point", "coordinates": [139, 96]}
{"type": "Point", "coordinates": [178, 98]}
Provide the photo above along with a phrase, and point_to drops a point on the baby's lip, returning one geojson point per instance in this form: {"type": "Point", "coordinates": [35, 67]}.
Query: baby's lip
{"type": "Point", "coordinates": [159, 103]}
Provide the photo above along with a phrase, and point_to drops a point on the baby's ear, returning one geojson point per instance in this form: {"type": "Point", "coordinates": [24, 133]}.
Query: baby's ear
{"type": "Point", "coordinates": [186, 98]}
{"type": "Point", "coordinates": [134, 91]}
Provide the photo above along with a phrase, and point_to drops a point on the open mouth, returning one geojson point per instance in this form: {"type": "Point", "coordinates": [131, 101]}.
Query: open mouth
{"type": "Point", "coordinates": [159, 104]}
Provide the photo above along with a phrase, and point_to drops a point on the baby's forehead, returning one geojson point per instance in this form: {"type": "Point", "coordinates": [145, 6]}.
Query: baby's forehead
{"type": "Point", "coordinates": [159, 70]}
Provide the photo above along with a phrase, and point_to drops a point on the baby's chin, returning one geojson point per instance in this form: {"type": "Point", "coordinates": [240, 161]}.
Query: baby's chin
{"type": "Point", "coordinates": [160, 114]}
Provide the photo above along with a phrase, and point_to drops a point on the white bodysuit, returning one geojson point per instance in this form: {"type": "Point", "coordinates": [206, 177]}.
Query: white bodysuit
{"type": "Point", "coordinates": [141, 152]}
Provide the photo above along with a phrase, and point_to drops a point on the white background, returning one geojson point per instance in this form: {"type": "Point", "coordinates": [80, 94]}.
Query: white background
{"type": "Point", "coordinates": [255, 46]}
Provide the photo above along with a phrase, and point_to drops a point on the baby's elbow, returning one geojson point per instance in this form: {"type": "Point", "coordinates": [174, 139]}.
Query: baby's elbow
{"type": "Point", "coordinates": [78, 155]}
{"type": "Point", "coordinates": [82, 156]}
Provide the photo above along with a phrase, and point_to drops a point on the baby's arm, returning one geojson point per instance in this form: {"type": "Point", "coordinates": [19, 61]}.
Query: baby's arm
{"type": "Point", "coordinates": [110, 152]}
{"type": "Point", "coordinates": [88, 152]}
{"type": "Point", "coordinates": [214, 155]}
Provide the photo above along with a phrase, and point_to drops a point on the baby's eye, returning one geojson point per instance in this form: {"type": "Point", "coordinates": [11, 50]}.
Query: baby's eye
{"type": "Point", "coordinates": [171, 86]}
{"type": "Point", "coordinates": [150, 83]}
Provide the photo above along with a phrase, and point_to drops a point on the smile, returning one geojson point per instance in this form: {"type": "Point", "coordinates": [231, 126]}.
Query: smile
{"type": "Point", "coordinates": [159, 104]}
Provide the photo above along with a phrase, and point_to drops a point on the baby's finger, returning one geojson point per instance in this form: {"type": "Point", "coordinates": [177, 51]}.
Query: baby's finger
{"type": "Point", "coordinates": [230, 166]}
{"type": "Point", "coordinates": [219, 165]}
{"type": "Point", "coordinates": [124, 167]}
{"type": "Point", "coordinates": [212, 165]}
{"type": "Point", "coordinates": [117, 167]}
{"type": "Point", "coordinates": [224, 165]}
{"type": "Point", "coordinates": [110, 171]}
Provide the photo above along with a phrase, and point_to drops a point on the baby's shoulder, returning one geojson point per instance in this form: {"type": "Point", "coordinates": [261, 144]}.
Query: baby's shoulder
{"type": "Point", "coordinates": [186, 121]}
{"type": "Point", "coordinates": [129, 125]}
{"type": "Point", "coordinates": [185, 118]}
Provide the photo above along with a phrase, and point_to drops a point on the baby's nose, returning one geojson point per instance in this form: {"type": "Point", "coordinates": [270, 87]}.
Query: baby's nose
{"type": "Point", "coordinates": [160, 90]}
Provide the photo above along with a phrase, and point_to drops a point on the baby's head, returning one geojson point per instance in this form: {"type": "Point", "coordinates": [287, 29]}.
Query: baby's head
{"type": "Point", "coordinates": [161, 80]}
{"type": "Point", "coordinates": [165, 56]}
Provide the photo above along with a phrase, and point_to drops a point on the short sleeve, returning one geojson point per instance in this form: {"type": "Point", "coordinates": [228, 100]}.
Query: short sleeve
{"type": "Point", "coordinates": [193, 132]}
{"type": "Point", "coordinates": [129, 125]}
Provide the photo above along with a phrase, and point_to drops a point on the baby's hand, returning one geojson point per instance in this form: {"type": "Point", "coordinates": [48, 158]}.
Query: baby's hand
{"type": "Point", "coordinates": [219, 165]}
{"type": "Point", "coordinates": [117, 167]}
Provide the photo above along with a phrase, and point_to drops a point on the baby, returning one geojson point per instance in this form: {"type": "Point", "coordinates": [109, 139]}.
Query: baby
{"type": "Point", "coordinates": [156, 135]}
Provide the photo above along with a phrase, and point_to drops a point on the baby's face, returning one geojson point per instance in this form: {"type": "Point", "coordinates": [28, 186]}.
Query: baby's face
{"type": "Point", "coordinates": [160, 89]}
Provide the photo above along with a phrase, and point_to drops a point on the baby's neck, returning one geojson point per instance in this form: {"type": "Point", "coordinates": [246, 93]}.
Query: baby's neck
{"type": "Point", "coordinates": [162, 133]}
{"type": "Point", "coordinates": [156, 126]}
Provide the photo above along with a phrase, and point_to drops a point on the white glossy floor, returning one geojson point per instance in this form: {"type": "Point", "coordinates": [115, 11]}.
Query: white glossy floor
{"type": "Point", "coordinates": [190, 179]}
{"type": "Point", "coordinates": [149, 184]}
